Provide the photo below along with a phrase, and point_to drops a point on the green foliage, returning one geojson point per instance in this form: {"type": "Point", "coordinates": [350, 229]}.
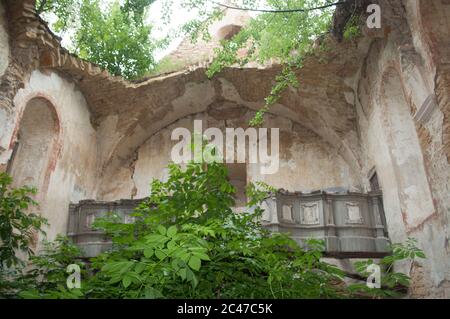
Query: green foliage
{"type": "Point", "coordinates": [186, 242]}
{"type": "Point", "coordinates": [17, 226]}
{"type": "Point", "coordinates": [136, 9]}
{"type": "Point", "coordinates": [18, 231]}
{"type": "Point", "coordinates": [51, 264]}
{"type": "Point", "coordinates": [285, 79]}
{"type": "Point", "coordinates": [65, 11]}
{"type": "Point", "coordinates": [257, 192]}
{"type": "Point", "coordinates": [391, 282]}
{"type": "Point", "coordinates": [166, 65]}
{"type": "Point", "coordinates": [352, 29]}
{"type": "Point", "coordinates": [282, 37]}
{"type": "Point", "coordinates": [114, 41]}
{"type": "Point", "coordinates": [113, 36]}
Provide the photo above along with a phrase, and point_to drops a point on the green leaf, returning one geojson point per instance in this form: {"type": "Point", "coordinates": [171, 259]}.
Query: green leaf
{"type": "Point", "coordinates": [139, 268]}
{"type": "Point", "coordinates": [172, 231]}
{"type": "Point", "coordinates": [201, 255]}
{"type": "Point", "coordinates": [148, 252]}
{"type": "Point", "coordinates": [420, 254]}
{"type": "Point", "coordinates": [152, 293]}
{"type": "Point", "coordinates": [182, 273]}
{"type": "Point", "coordinates": [160, 254]}
{"type": "Point", "coordinates": [194, 263]}
{"type": "Point", "coordinates": [155, 238]}
{"type": "Point", "coordinates": [161, 229]}
{"type": "Point", "coordinates": [126, 281]}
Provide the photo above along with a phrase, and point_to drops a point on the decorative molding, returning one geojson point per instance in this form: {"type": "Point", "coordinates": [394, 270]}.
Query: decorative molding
{"type": "Point", "coordinates": [353, 213]}
{"type": "Point", "coordinates": [90, 218]}
{"type": "Point", "coordinates": [287, 213]}
{"type": "Point", "coordinates": [310, 213]}
{"type": "Point", "coordinates": [128, 219]}
{"type": "Point", "coordinates": [265, 217]}
{"type": "Point", "coordinates": [376, 212]}
{"type": "Point", "coordinates": [301, 215]}
{"type": "Point", "coordinates": [423, 114]}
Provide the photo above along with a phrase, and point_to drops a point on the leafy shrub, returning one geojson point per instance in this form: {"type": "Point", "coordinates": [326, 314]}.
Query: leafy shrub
{"type": "Point", "coordinates": [186, 242]}
{"type": "Point", "coordinates": [46, 278]}
{"type": "Point", "coordinates": [392, 283]}
{"type": "Point", "coordinates": [17, 227]}
{"type": "Point", "coordinates": [352, 29]}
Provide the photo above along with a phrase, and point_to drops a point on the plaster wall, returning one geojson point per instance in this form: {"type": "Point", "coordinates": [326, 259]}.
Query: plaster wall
{"type": "Point", "coordinates": [307, 162]}
{"type": "Point", "coordinates": [70, 165]}
{"type": "Point", "coordinates": [401, 127]}
{"type": "Point", "coordinates": [401, 96]}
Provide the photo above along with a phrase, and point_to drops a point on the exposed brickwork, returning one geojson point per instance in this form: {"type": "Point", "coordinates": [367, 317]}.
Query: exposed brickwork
{"type": "Point", "coordinates": [443, 98]}
{"type": "Point", "coordinates": [127, 114]}
{"type": "Point", "coordinates": [23, 56]}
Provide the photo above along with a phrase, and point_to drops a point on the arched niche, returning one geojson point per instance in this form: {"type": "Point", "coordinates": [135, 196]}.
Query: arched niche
{"type": "Point", "coordinates": [35, 145]}
{"type": "Point", "coordinates": [414, 195]}
{"type": "Point", "coordinates": [228, 32]}
{"type": "Point", "coordinates": [306, 161]}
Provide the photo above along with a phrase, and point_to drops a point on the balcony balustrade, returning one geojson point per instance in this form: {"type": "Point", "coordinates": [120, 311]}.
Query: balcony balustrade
{"type": "Point", "coordinates": [352, 225]}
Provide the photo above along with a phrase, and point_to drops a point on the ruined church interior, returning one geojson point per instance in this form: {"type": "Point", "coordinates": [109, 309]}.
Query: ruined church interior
{"type": "Point", "coordinates": [364, 141]}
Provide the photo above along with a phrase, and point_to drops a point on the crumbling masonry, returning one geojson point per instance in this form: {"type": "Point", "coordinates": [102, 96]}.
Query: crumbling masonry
{"type": "Point", "coordinates": [372, 111]}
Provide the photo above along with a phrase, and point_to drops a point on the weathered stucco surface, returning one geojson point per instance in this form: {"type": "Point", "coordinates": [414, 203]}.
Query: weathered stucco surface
{"type": "Point", "coordinates": [401, 117]}
{"type": "Point", "coordinates": [307, 162]}
{"type": "Point", "coordinates": [67, 159]}
{"type": "Point", "coordinates": [377, 103]}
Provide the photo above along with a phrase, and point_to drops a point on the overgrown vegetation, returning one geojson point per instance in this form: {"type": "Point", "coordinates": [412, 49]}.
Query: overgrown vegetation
{"type": "Point", "coordinates": [186, 242]}
{"type": "Point", "coordinates": [392, 283]}
{"type": "Point", "coordinates": [117, 38]}
{"type": "Point", "coordinates": [18, 231]}
{"type": "Point", "coordinates": [166, 65]}
{"type": "Point", "coordinates": [352, 29]}
{"type": "Point", "coordinates": [284, 37]}
{"type": "Point", "coordinates": [114, 36]}
{"type": "Point", "coordinates": [18, 227]}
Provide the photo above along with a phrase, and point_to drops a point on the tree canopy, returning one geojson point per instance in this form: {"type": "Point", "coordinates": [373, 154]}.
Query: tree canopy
{"type": "Point", "coordinates": [113, 35]}
{"type": "Point", "coordinates": [116, 37]}
{"type": "Point", "coordinates": [284, 31]}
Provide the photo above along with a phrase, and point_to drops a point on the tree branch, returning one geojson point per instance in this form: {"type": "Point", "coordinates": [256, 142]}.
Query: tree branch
{"type": "Point", "coordinates": [41, 7]}
{"type": "Point", "coordinates": [281, 11]}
